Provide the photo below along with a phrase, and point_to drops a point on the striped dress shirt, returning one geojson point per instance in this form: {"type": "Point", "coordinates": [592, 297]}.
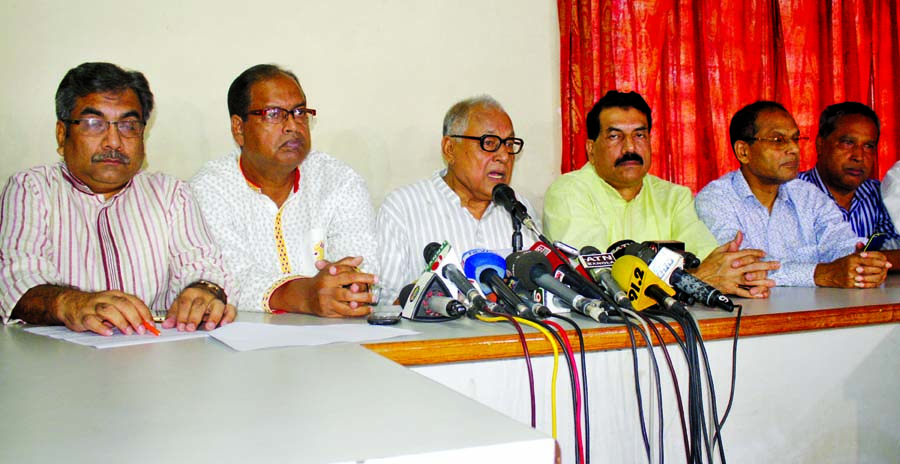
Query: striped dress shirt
{"type": "Point", "coordinates": [147, 240]}
{"type": "Point", "coordinates": [867, 213]}
{"type": "Point", "coordinates": [430, 211]}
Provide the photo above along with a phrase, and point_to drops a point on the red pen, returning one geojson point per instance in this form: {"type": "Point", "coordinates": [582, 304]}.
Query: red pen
{"type": "Point", "coordinates": [151, 328]}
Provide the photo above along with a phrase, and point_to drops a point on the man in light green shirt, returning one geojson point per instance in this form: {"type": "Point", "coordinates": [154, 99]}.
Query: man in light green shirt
{"type": "Point", "coordinates": [613, 198]}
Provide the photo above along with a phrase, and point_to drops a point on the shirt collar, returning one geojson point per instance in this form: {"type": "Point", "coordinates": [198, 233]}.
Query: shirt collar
{"type": "Point", "coordinates": [817, 180]}
{"type": "Point", "coordinates": [611, 191]}
{"type": "Point", "coordinates": [77, 184]}
{"type": "Point", "coordinates": [437, 180]}
{"type": "Point", "coordinates": [742, 188]}
{"type": "Point", "coordinates": [257, 188]}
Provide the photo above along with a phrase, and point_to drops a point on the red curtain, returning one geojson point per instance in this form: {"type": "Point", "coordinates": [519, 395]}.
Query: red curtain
{"type": "Point", "coordinates": [697, 62]}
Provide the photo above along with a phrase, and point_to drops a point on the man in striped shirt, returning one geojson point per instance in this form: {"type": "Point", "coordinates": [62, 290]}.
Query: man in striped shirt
{"type": "Point", "coordinates": [455, 204]}
{"type": "Point", "coordinates": [93, 242]}
{"type": "Point", "coordinates": [846, 146]}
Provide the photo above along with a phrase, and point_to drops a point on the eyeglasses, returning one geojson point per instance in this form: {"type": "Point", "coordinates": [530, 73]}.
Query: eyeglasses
{"type": "Point", "coordinates": [129, 128]}
{"type": "Point", "coordinates": [780, 140]}
{"type": "Point", "coordinates": [276, 115]}
{"type": "Point", "coordinates": [492, 143]}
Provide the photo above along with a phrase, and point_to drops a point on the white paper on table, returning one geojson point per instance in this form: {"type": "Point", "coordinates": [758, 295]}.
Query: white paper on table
{"type": "Point", "coordinates": [245, 336]}
{"type": "Point", "coordinates": [115, 340]}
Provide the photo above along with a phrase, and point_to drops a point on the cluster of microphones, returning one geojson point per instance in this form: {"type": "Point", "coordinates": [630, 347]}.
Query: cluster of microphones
{"type": "Point", "coordinates": [553, 277]}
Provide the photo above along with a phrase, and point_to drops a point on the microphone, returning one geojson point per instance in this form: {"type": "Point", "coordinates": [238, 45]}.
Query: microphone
{"type": "Point", "coordinates": [504, 196]}
{"type": "Point", "coordinates": [666, 263]}
{"type": "Point", "coordinates": [439, 255]}
{"type": "Point", "coordinates": [691, 260]}
{"type": "Point", "coordinates": [486, 267]}
{"type": "Point", "coordinates": [448, 267]}
{"type": "Point", "coordinates": [677, 277]}
{"type": "Point", "coordinates": [598, 265]}
{"type": "Point", "coordinates": [428, 300]}
{"type": "Point", "coordinates": [578, 280]}
{"type": "Point", "coordinates": [532, 269]}
{"type": "Point", "coordinates": [644, 287]}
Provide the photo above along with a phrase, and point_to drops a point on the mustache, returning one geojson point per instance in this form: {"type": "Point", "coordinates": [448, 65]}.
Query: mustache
{"type": "Point", "coordinates": [628, 157]}
{"type": "Point", "coordinates": [110, 155]}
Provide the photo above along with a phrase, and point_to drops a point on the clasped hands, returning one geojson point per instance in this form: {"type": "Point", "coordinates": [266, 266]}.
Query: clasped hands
{"type": "Point", "coordinates": [738, 272]}
{"type": "Point", "coordinates": [339, 289]}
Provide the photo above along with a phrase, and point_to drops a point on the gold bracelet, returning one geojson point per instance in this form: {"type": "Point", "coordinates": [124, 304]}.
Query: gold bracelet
{"type": "Point", "coordinates": [211, 287]}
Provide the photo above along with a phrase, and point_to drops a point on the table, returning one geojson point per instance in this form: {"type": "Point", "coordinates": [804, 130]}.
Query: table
{"type": "Point", "coordinates": [804, 394]}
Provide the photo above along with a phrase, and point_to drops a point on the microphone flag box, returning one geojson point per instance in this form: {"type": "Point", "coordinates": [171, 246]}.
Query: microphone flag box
{"type": "Point", "coordinates": [415, 308]}
{"type": "Point", "coordinates": [597, 261]}
{"type": "Point", "coordinates": [665, 263]}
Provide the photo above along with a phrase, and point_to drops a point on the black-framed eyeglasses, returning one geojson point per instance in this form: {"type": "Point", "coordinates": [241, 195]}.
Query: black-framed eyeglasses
{"type": "Point", "coordinates": [276, 115]}
{"type": "Point", "coordinates": [128, 128]}
{"type": "Point", "coordinates": [492, 143]}
{"type": "Point", "coordinates": [780, 140]}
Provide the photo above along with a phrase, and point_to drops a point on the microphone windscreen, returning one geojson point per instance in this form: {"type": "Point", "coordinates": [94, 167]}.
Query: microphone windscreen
{"type": "Point", "coordinates": [590, 250]}
{"type": "Point", "coordinates": [476, 263]}
{"type": "Point", "coordinates": [633, 275]}
{"type": "Point", "coordinates": [504, 196]}
{"type": "Point", "coordinates": [520, 264]}
{"type": "Point", "coordinates": [618, 249]}
{"type": "Point", "coordinates": [430, 250]}
{"type": "Point", "coordinates": [404, 293]}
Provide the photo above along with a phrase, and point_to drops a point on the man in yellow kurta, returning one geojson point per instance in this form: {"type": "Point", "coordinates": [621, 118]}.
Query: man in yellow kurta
{"type": "Point", "coordinates": [613, 197]}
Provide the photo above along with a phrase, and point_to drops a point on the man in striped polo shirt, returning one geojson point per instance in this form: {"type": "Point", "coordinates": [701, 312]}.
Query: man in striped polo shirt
{"type": "Point", "coordinates": [93, 242]}
{"type": "Point", "coordinates": [846, 147]}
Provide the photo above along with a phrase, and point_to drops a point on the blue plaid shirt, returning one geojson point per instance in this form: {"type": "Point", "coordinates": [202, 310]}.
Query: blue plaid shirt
{"type": "Point", "coordinates": [804, 228]}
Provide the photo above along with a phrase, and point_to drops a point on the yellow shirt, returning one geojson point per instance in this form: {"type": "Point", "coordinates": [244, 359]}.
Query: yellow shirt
{"type": "Point", "coordinates": [581, 209]}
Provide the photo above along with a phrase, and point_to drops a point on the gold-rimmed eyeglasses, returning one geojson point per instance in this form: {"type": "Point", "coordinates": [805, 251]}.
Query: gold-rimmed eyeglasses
{"type": "Point", "coordinates": [128, 128]}
{"type": "Point", "coordinates": [276, 115]}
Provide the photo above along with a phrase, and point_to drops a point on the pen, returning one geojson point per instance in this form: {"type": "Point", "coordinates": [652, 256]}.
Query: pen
{"type": "Point", "coordinates": [151, 328]}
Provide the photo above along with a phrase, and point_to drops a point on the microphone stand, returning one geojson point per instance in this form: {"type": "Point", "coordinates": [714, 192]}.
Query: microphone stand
{"type": "Point", "coordinates": [517, 233]}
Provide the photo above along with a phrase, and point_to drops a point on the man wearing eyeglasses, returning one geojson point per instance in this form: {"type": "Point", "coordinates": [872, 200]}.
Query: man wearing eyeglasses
{"type": "Point", "coordinates": [480, 148]}
{"type": "Point", "coordinates": [613, 197]}
{"type": "Point", "coordinates": [296, 225]}
{"type": "Point", "coordinates": [792, 220]}
{"type": "Point", "coordinates": [95, 243]}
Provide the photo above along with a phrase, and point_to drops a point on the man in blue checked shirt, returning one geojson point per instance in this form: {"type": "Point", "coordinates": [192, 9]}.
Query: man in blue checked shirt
{"type": "Point", "coordinates": [791, 220]}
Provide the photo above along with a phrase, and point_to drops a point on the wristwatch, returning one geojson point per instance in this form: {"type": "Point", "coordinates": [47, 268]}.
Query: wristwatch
{"type": "Point", "coordinates": [213, 288]}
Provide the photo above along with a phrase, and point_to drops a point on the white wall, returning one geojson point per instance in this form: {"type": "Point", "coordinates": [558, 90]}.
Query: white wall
{"type": "Point", "coordinates": [381, 72]}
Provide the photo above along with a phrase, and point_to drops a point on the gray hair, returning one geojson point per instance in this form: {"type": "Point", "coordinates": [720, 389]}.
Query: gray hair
{"type": "Point", "coordinates": [457, 118]}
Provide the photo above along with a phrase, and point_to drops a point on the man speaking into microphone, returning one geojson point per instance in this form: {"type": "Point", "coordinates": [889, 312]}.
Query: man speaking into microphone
{"type": "Point", "coordinates": [480, 148]}
{"type": "Point", "coordinates": [613, 198]}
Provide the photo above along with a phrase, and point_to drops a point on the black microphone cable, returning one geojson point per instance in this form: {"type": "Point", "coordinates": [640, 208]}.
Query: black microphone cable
{"type": "Point", "coordinates": [527, 356]}
{"type": "Point", "coordinates": [717, 436]}
{"type": "Point", "coordinates": [662, 344]}
{"type": "Point", "coordinates": [630, 328]}
{"type": "Point", "coordinates": [657, 319]}
{"type": "Point", "coordinates": [737, 329]}
{"type": "Point", "coordinates": [699, 432]}
{"type": "Point", "coordinates": [584, 387]}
